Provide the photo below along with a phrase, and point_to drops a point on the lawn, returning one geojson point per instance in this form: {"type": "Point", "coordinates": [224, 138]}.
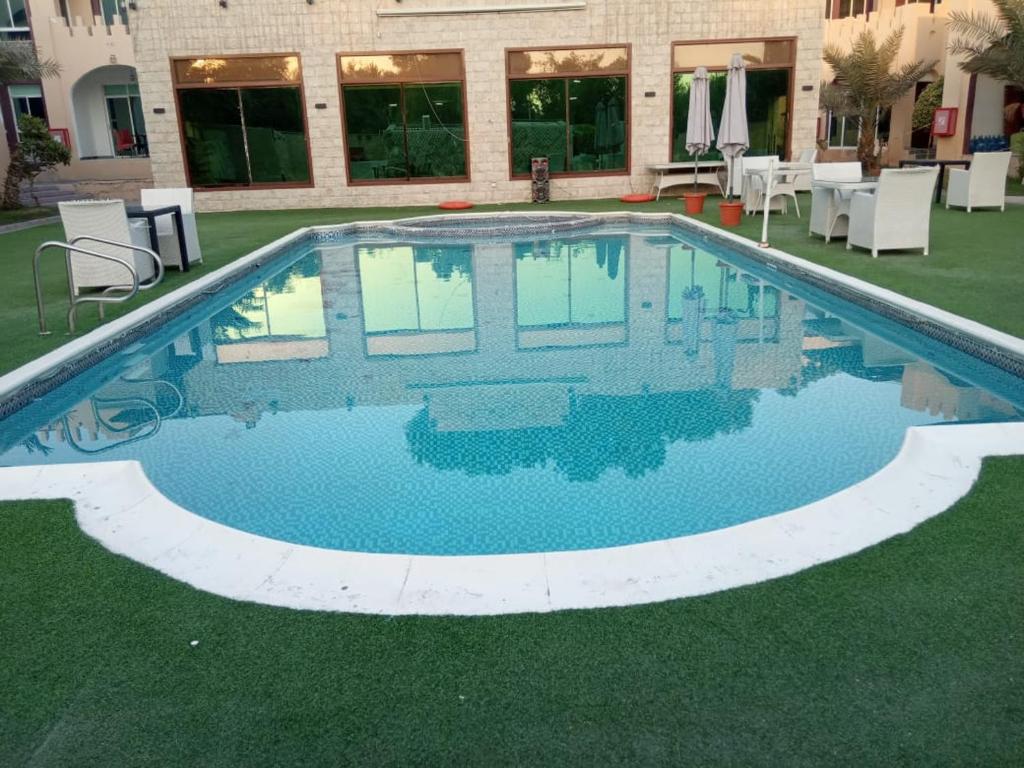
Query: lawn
{"type": "Point", "coordinates": [909, 653]}
{"type": "Point", "coordinates": [984, 282]}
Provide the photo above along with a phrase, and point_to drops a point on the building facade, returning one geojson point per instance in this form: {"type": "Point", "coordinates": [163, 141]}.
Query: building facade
{"type": "Point", "coordinates": [93, 105]}
{"type": "Point", "coordinates": [985, 107]}
{"type": "Point", "coordinates": [269, 104]}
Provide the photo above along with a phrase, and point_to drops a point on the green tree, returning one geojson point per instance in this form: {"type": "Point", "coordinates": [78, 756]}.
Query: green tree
{"type": "Point", "coordinates": [18, 62]}
{"type": "Point", "coordinates": [991, 45]}
{"type": "Point", "coordinates": [35, 152]}
{"type": "Point", "coordinates": [926, 104]}
{"type": "Point", "coordinates": [867, 83]}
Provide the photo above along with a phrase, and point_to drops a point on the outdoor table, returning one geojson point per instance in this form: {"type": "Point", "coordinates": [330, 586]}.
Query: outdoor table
{"type": "Point", "coordinates": [151, 215]}
{"type": "Point", "coordinates": [838, 203]}
{"type": "Point", "coordinates": [780, 171]}
{"type": "Point", "coordinates": [673, 174]}
{"type": "Point", "coordinates": [943, 165]}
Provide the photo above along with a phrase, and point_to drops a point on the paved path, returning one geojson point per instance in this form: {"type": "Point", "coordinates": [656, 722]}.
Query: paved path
{"type": "Point", "coordinates": [28, 224]}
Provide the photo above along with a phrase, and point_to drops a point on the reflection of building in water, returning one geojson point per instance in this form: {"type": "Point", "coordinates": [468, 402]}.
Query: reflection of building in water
{"type": "Point", "coordinates": [925, 389]}
{"type": "Point", "coordinates": [617, 344]}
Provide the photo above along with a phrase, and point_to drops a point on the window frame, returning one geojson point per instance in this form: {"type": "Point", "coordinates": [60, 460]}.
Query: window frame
{"type": "Point", "coordinates": [15, 131]}
{"type": "Point", "coordinates": [243, 84]}
{"type": "Point", "coordinates": [791, 67]}
{"type": "Point", "coordinates": [401, 84]}
{"type": "Point", "coordinates": [7, 22]}
{"type": "Point", "coordinates": [627, 73]}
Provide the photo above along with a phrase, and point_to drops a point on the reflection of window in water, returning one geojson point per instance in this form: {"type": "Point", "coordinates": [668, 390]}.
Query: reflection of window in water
{"type": "Point", "coordinates": [407, 289]}
{"type": "Point", "coordinates": [281, 319]}
{"type": "Point", "coordinates": [571, 283]}
{"type": "Point", "coordinates": [724, 287]}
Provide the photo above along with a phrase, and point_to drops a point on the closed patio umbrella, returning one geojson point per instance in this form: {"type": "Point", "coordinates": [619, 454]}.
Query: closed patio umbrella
{"type": "Point", "coordinates": [700, 132]}
{"type": "Point", "coordinates": [733, 132]}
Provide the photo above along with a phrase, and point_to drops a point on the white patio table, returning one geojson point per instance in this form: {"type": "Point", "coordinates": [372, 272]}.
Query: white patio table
{"type": "Point", "coordinates": [673, 174]}
{"type": "Point", "coordinates": [830, 203]}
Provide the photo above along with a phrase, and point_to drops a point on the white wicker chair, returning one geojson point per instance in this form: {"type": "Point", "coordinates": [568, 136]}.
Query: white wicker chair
{"type": "Point", "coordinates": [898, 215]}
{"type": "Point", "coordinates": [107, 220]}
{"type": "Point", "coordinates": [170, 253]}
{"type": "Point", "coordinates": [830, 209]}
{"type": "Point", "coordinates": [983, 185]}
{"type": "Point", "coordinates": [802, 181]}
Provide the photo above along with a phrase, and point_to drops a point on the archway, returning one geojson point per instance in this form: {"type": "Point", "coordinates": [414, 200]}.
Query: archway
{"type": "Point", "coordinates": [108, 114]}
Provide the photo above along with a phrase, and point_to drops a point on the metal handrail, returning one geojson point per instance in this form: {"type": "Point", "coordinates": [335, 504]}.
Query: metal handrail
{"type": "Point", "coordinates": [156, 423]}
{"type": "Point", "coordinates": [74, 301]}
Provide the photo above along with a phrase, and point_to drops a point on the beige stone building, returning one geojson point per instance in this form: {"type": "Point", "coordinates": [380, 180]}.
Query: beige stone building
{"type": "Point", "coordinates": [985, 107]}
{"type": "Point", "coordinates": [93, 105]}
{"type": "Point", "coordinates": [271, 104]}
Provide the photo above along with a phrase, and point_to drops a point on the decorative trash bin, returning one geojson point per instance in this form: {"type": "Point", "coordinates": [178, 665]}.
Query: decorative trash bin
{"type": "Point", "coordinates": [540, 182]}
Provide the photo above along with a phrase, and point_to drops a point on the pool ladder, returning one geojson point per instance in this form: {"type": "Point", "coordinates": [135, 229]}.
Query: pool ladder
{"type": "Point", "coordinates": [102, 298]}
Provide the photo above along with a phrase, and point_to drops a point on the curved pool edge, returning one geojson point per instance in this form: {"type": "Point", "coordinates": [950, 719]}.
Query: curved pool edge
{"type": "Point", "coordinates": [116, 504]}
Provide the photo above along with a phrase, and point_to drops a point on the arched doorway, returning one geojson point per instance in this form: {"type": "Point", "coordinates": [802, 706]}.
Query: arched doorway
{"type": "Point", "coordinates": [108, 114]}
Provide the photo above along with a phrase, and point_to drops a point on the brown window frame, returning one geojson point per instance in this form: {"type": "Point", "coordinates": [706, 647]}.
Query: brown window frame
{"type": "Point", "coordinates": [468, 177]}
{"type": "Point", "coordinates": [674, 70]}
{"type": "Point", "coordinates": [300, 84]}
{"type": "Point", "coordinates": [627, 73]}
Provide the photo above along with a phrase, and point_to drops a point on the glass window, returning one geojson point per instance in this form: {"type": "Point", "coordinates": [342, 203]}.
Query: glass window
{"type": "Point", "coordinates": [27, 100]}
{"type": "Point", "coordinates": [245, 135]}
{"type": "Point", "coordinates": [400, 67]}
{"type": "Point", "coordinates": [114, 12]}
{"type": "Point", "coordinates": [127, 121]}
{"type": "Point", "coordinates": [579, 123]}
{"type": "Point", "coordinates": [407, 289]}
{"type": "Point", "coordinates": [403, 130]}
{"type": "Point", "coordinates": [239, 69]}
{"type": "Point", "coordinates": [580, 283]}
{"type": "Point", "coordinates": [569, 61]}
{"type": "Point", "coordinates": [275, 135]}
{"type": "Point", "coordinates": [756, 53]}
{"type": "Point", "coordinates": [13, 20]}
{"type": "Point", "coordinates": [768, 104]}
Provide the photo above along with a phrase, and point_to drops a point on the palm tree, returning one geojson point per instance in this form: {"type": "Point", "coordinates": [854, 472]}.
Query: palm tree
{"type": "Point", "coordinates": [866, 85]}
{"type": "Point", "coordinates": [18, 61]}
{"type": "Point", "coordinates": [992, 45]}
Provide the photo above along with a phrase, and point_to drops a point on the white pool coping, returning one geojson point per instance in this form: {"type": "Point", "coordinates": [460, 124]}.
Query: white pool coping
{"type": "Point", "coordinates": [116, 504]}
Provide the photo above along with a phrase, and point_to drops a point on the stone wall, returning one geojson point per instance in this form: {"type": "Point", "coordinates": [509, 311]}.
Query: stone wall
{"type": "Point", "coordinates": [163, 29]}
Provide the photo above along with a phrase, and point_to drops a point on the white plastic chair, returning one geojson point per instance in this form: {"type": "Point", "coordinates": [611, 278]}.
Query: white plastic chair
{"type": "Point", "coordinates": [170, 253]}
{"type": "Point", "coordinates": [898, 215]}
{"type": "Point", "coordinates": [753, 188]}
{"type": "Point", "coordinates": [830, 209]}
{"type": "Point", "coordinates": [983, 185]}
{"type": "Point", "coordinates": [107, 220]}
{"type": "Point", "coordinates": [802, 181]}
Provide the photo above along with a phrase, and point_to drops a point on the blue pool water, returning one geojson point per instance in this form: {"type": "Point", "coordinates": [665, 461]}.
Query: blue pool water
{"type": "Point", "coordinates": [603, 388]}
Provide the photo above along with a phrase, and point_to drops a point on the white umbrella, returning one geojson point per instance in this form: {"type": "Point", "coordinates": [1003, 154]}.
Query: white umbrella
{"type": "Point", "coordinates": [733, 133]}
{"type": "Point", "coordinates": [699, 130]}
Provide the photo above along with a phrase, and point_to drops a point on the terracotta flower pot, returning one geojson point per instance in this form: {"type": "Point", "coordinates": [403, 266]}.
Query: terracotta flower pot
{"type": "Point", "coordinates": [731, 213]}
{"type": "Point", "coordinates": [694, 202]}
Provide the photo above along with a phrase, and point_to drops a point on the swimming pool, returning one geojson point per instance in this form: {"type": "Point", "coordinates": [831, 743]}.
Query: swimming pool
{"type": "Point", "coordinates": [605, 385]}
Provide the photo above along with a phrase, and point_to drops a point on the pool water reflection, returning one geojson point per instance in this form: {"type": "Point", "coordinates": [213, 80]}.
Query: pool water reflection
{"type": "Point", "coordinates": [587, 391]}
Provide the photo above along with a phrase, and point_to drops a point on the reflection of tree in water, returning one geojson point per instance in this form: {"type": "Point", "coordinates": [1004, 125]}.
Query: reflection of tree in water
{"type": "Point", "coordinates": [447, 261]}
{"type": "Point", "coordinates": [600, 433]}
{"type": "Point", "coordinates": [234, 318]}
{"type": "Point", "coordinates": [608, 252]}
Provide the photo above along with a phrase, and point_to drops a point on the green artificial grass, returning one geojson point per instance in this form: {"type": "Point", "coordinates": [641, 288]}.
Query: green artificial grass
{"type": "Point", "coordinates": [18, 215]}
{"type": "Point", "coordinates": [974, 268]}
{"type": "Point", "coordinates": [909, 653]}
